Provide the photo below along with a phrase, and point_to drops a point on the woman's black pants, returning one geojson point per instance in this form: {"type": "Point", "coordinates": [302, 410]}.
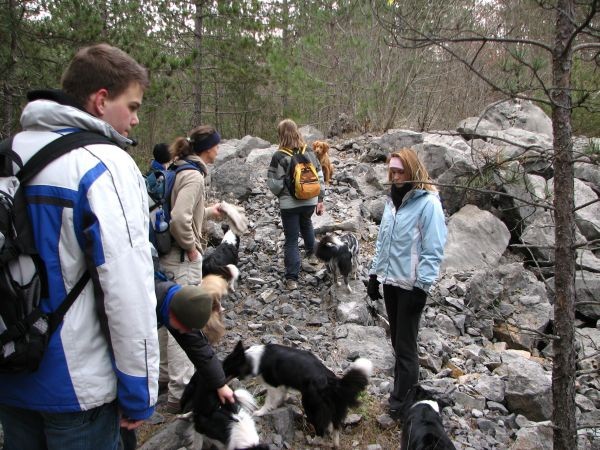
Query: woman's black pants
{"type": "Point", "coordinates": [404, 309]}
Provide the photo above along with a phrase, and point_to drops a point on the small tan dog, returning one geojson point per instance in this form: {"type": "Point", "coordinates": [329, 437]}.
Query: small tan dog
{"type": "Point", "coordinates": [321, 149]}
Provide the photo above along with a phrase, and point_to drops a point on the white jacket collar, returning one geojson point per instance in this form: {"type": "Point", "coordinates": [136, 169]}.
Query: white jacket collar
{"type": "Point", "coordinates": [48, 115]}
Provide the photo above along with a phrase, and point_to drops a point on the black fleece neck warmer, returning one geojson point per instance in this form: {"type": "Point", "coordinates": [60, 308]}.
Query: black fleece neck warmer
{"type": "Point", "coordinates": [398, 193]}
{"type": "Point", "coordinates": [55, 95]}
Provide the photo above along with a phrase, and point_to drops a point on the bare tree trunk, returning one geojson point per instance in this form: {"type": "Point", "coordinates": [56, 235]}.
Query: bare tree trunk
{"type": "Point", "coordinates": [196, 118]}
{"type": "Point", "coordinates": [286, 47]}
{"type": "Point", "coordinates": [7, 90]}
{"type": "Point", "coordinates": [563, 372]}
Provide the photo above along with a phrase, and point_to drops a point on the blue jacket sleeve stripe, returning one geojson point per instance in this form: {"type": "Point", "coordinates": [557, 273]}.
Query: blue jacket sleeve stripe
{"type": "Point", "coordinates": [86, 223]}
{"type": "Point", "coordinates": [133, 395]}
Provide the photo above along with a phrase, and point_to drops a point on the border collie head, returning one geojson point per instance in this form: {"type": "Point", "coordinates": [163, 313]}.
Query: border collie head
{"type": "Point", "coordinates": [423, 427]}
{"type": "Point", "coordinates": [328, 247]}
{"type": "Point", "coordinates": [231, 238]}
{"type": "Point", "coordinates": [237, 364]}
{"type": "Point", "coordinates": [417, 395]}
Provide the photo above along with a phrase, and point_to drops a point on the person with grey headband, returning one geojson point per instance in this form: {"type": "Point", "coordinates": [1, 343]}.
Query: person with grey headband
{"type": "Point", "coordinates": [408, 254]}
{"type": "Point", "coordinates": [189, 213]}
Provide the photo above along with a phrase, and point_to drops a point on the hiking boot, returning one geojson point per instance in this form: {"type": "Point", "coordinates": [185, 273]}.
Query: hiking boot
{"type": "Point", "coordinates": [291, 285]}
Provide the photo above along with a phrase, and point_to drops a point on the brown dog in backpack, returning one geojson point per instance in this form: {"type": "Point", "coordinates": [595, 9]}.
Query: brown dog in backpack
{"type": "Point", "coordinates": [321, 149]}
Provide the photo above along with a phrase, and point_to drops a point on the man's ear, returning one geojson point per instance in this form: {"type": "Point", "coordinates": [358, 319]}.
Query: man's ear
{"type": "Point", "coordinates": [96, 104]}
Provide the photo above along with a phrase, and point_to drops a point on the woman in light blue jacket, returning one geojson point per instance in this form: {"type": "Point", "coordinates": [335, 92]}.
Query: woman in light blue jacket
{"type": "Point", "coordinates": [408, 253]}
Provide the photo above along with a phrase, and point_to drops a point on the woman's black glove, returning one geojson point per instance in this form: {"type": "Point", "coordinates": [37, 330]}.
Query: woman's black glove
{"type": "Point", "coordinates": [419, 293]}
{"type": "Point", "coordinates": [373, 288]}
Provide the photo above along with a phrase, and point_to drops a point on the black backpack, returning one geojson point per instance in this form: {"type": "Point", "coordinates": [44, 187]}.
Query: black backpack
{"type": "Point", "coordinates": [24, 328]}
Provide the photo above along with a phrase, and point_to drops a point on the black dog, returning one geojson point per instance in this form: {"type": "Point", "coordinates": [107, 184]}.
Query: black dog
{"type": "Point", "coordinates": [325, 397]}
{"type": "Point", "coordinates": [230, 426]}
{"type": "Point", "coordinates": [423, 428]}
{"type": "Point", "coordinates": [341, 255]}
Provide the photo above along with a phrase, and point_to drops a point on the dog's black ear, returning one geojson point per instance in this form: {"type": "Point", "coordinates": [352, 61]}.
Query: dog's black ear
{"type": "Point", "coordinates": [239, 347]}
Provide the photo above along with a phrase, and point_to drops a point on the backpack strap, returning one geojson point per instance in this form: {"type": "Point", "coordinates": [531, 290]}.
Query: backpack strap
{"type": "Point", "coordinates": [34, 166]}
{"type": "Point", "coordinates": [191, 165]}
{"type": "Point", "coordinates": [8, 156]}
{"type": "Point", "coordinates": [57, 148]}
{"type": "Point", "coordinates": [56, 317]}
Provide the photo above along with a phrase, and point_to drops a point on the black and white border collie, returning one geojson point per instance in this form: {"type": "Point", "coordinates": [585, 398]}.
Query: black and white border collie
{"type": "Point", "coordinates": [223, 259]}
{"type": "Point", "coordinates": [223, 254]}
{"type": "Point", "coordinates": [422, 423]}
{"type": "Point", "coordinates": [325, 397]}
{"type": "Point", "coordinates": [341, 255]}
{"type": "Point", "coordinates": [228, 426]}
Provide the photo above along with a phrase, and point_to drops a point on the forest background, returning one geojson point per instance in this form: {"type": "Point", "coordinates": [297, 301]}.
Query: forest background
{"type": "Point", "coordinates": [243, 65]}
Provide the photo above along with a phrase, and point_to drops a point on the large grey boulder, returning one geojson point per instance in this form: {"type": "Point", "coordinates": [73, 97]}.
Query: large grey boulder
{"type": "Point", "coordinates": [514, 299]}
{"type": "Point", "coordinates": [526, 191]}
{"type": "Point", "coordinates": [587, 292]}
{"type": "Point", "coordinates": [260, 157]}
{"type": "Point", "coordinates": [311, 134]}
{"type": "Point", "coordinates": [227, 150]}
{"type": "Point", "coordinates": [249, 143]}
{"type": "Point", "coordinates": [438, 152]}
{"type": "Point", "coordinates": [534, 436]}
{"type": "Point", "coordinates": [475, 127]}
{"type": "Point", "coordinates": [476, 239]}
{"type": "Point", "coordinates": [528, 386]}
{"type": "Point", "coordinates": [588, 218]}
{"type": "Point", "coordinates": [588, 340]}
{"type": "Point", "coordinates": [454, 198]}
{"type": "Point", "coordinates": [372, 343]}
{"type": "Point", "coordinates": [396, 139]}
{"type": "Point", "coordinates": [240, 180]}
{"type": "Point", "coordinates": [539, 236]}
{"type": "Point", "coordinates": [519, 114]}
{"type": "Point", "coordinates": [587, 172]}
{"type": "Point", "coordinates": [491, 387]}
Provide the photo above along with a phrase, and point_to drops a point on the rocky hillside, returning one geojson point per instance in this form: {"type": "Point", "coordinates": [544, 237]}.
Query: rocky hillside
{"type": "Point", "coordinates": [485, 343]}
{"type": "Point", "coordinates": [485, 338]}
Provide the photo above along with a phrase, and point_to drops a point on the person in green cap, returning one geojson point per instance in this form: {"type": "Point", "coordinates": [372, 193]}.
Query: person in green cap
{"type": "Point", "coordinates": [184, 311]}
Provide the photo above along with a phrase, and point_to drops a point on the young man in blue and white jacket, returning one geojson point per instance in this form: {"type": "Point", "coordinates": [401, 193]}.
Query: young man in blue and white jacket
{"type": "Point", "coordinates": [89, 212]}
{"type": "Point", "coordinates": [408, 253]}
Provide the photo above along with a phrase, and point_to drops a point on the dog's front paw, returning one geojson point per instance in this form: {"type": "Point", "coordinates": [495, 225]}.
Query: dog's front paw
{"type": "Point", "coordinates": [349, 289]}
{"type": "Point", "coordinates": [260, 412]}
{"type": "Point", "coordinates": [339, 283]}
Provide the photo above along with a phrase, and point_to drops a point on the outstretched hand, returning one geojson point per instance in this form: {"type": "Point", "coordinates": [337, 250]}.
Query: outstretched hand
{"type": "Point", "coordinates": [130, 424]}
{"type": "Point", "coordinates": [225, 394]}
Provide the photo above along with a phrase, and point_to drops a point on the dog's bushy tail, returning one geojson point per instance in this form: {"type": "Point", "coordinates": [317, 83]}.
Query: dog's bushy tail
{"type": "Point", "coordinates": [348, 388]}
{"type": "Point", "coordinates": [246, 400]}
{"type": "Point", "coordinates": [356, 379]}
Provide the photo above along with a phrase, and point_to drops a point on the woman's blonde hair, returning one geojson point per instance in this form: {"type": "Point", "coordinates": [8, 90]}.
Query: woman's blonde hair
{"type": "Point", "coordinates": [413, 168]}
{"type": "Point", "coordinates": [183, 146]}
{"type": "Point", "coordinates": [289, 136]}
{"type": "Point", "coordinates": [216, 287]}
